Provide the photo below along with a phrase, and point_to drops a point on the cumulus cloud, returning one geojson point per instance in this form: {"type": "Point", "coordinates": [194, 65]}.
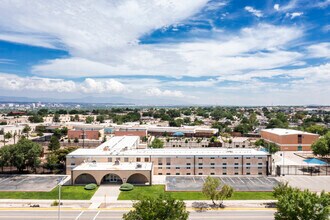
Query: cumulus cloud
{"type": "Point", "coordinates": [277, 7]}
{"type": "Point", "coordinates": [164, 93]}
{"type": "Point", "coordinates": [294, 14]}
{"type": "Point", "coordinates": [92, 86]}
{"type": "Point", "coordinates": [254, 11]}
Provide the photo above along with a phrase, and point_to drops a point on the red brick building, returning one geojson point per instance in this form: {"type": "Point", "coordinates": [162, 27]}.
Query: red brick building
{"type": "Point", "coordinates": [91, 135]}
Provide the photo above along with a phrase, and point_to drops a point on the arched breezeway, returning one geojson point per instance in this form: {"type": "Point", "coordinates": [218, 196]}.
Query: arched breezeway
{"type": "Point", "coordinates": [85, 178]}
{"type": "Point", "coordinates": [137, 179]}
{"type": "Point", "coordinates": [111, 178]}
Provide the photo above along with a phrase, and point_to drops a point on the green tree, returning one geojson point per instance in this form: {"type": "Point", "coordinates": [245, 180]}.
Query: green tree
{"type": "Point", "coordinates": [294, 204]}
{"type": "Point", "coordinates": [8, 135]}
{"type": "Point", "coordinates": [100, 118]}
{"type": "Point", "coordinates": [51, 161]}
{"type": "Point", "coordinates": [157, 143]}
{"type": "Point", "coordinates": [89, 119]}
{"type": "Point", "coordinates": [36, 119]}
{"type": "Point", "coordinates": [317, 129]}
{"type": "Point", "coordinates": [56, 117]}
{"type": "Point", "coordinates": [26, 130]}
{"type": "Point", "coordinates": [212, 190]}
{"type": "Point", "coordinates": [159, 208]}
{"type": "Point", "coordinates": [322, 145]}
{"type": "Point", "coordinates": [54, 144]}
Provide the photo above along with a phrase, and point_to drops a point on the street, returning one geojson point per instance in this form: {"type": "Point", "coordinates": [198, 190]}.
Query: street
{"type": "Point", "coordinates": [116, 215]}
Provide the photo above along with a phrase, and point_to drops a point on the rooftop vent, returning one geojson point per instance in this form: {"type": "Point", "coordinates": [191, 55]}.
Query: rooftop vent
{"type": "Point", "coordinates": [138, 165]}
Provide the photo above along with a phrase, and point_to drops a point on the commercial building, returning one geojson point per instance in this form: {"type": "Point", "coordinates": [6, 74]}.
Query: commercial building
{"type": "Point", "coordinates": [289, 140]}
{"type": "Point", "coordinates": [121, 160]}
{"type": "Point", "coordinates": [83, 134]}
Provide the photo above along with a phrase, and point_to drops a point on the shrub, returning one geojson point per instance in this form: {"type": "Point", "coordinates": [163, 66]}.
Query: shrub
{"type": "Point", "coordinates": [90, 186]}
{"type": "Point", "coordinates": [126, 187]}
{"type": "Point", "coordinates": [54, 203]}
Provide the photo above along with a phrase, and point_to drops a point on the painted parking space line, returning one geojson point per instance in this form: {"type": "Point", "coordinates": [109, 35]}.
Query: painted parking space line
{"type": "Point", "coordinates": [79, 215]}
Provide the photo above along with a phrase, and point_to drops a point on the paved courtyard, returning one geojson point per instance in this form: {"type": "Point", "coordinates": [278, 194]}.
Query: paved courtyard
{"type": "Point", "coordinates": [239, 183]}
{"type": "Point", "coordinates": [29, 182]}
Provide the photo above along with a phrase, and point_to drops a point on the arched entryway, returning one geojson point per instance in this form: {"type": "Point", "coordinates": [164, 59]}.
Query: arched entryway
{"type": "Point", "coordinates": [85, 178]}
{"type": "Point", "coordinates": [111, 178]}
{"type": "Point", "coordinates": [137, 179]}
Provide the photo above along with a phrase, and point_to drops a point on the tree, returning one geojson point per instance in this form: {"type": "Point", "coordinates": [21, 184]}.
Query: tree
{"type": "Point", "coordinates": [211, 190]}
{"type": "Point", "coordinates": [158, 208]}
{"type": "Point", "coordinates": [51, 161]}
{"type": "Point", "coordinates": [36, 119]}
{"type": "Point", "coordinates": [54, 144]}
{"type": "Point", "coordinates": [8, 135]}
{"type": "Point", "coordinates": [26, 130]}
{"type": "Point", "coordinates": [317, 129]}
{"type": "Point", "coordinates": [322, 145]}
{"type": "Point", "coordinates": [157, 143]}
{"type": "Point", "coordinates": [89, 119]}
{"type": "Point", "coordinates": [56, 117]}
{"type": "Point", "coordinates": [100, 118]}
{"type": "Point", "coordinates": [272, 147]}
{"type": "Point", "coordinates": [294, 204]}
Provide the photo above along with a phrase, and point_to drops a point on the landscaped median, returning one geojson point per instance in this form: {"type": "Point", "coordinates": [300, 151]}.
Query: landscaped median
{"type": "Point", "coordinates": [67, 193]}
{"type": "Point", "coordinates": [153, 191]}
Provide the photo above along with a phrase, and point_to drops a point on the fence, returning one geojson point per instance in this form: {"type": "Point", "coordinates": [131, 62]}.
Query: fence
{"type": "Point", "coordinates": [310, 170]}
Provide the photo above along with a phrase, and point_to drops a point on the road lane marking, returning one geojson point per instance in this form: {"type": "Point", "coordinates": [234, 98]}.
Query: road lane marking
{"type": "Point", "coordinates": [96, 215]}
{"type": "Point", "coordinates": [80, 214]}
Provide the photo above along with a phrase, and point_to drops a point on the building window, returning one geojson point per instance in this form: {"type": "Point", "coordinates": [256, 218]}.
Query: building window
{"type": "Point", "coordinates": [188, 164]}
{"type": "Point", "coordinates": [248, 168]}
{"type": "Point", "coordinates": [248, 173]}
{"type": "Point", "coordinates": [212, 173]}
{"type": "Point", "coordinates": [259, 168]}
{"type": "Point", "coordinates": [236, 164]}
{"type": "Point", "coordinates": [188, 173]}
{"type": "Point", "coordinates": [212, 158]}
{"type": "Point", "coordinates": [260, 158]}
{"type": "Point", "coordinates": [248, 158]}
{"type": "Point", "coordinates": [224, 158]}
{"type": "Point", "coordinates": [146, 159]}
{"type": "Point", "coordinates": [110, 159]}
{"type": "Point", "coordinates": [224, 173]}
{"type": "Point", "coordinates": [260, 164]}
{"type": "Point", "coordinates": [126, 159]}
{"type": "Point", "coordinates": [236, 168]}
{"type": "Point", "coordinates": [168, 164]}
{"type": "Point", "coordinates": [168, 173]}
{"type": "Point", "coordinates": [299, 139]}
{"type": "Point", "coordinates": [200, 173]}
{"type": "Point", "coordinates": [73, 164]}
{"type": "Point", "coordinates": [138, 159]}
{"type": "Point", "coordinates": [200, 167]}
{"type": "Point", "coordinates": [236, 158]}
{"type": "Point", "coordinates": [224, 168]}
{"type": "Point", "coordinates": [118, 159]}
{"type": "Point", "coordinates": [177, 168]}
{"type": "Point", "coordinates": [224, 164]}
{"type": "Point", "coordinates": [200, 164]}
{"type": "Point", "coordinates": [188, 168]}
{"type": "Point", "coordinates": [177, 174]}
{"type": "Point", "coordinates": [200, 158]}
{"type": "Point", "coordinates": [243, 146]}
{"type": "Point", "coordinates": [160, 173]}
{"type": "Point", "coordinates": [168, 168]}
{"type": "Point", "coordinates": [237, 146]}
{"type": "Point", "coordinates": [212, 167]}
{"type": "Point", "coordinates": [160, 164]}
{"type": "Point", "coordinates": [259, 173]}
{"type": "Point", "coordinates": [160, 168]}
{"type": "Point", "coordinates": [212, 164]}
{"type": "Point", "coordinates": [248, 164]}
{"type": "Point", "coordinates": [236, 173]}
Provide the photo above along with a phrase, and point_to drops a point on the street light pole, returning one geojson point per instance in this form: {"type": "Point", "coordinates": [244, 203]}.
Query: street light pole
{"type": "Point", "coordinates": [59, 201]}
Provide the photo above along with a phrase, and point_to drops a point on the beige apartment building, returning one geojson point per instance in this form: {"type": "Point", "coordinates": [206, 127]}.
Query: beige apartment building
{"type": "Point", "coordinates": [289, 140]}
{"type": "Point", "coordinates": [122, 160]}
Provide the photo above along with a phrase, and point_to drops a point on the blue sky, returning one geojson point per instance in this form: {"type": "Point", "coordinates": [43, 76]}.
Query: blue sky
{"type": "Point", "coordinates": [162, 51]}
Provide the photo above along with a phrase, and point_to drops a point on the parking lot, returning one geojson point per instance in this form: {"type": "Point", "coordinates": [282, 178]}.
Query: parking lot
{"type": "Point", "coordinates": [239, 183]}
{"type": "Point", "coordinates": [29, 182]}
{"type": "Point", "coordinates": [313, 183]}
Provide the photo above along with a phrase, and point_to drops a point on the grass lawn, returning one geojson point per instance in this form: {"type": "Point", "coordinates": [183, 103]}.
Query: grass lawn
{"type": "Point", "coordinates": [67, 193]}
{"type": "Point", "coordinates": [140, 191]}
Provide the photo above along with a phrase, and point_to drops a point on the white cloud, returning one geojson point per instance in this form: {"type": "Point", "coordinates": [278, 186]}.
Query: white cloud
{"type": "Point", "coordinates": [164, 93]}
{"type": "Point", "coordinates": [294, 14]}
{"type": "Point", "coordinates": [92, 86]}
{"type": "Point", "coordinates": [254, 11]}
{"type": "Point", "coordinates": [277, 7]}
{"type": "Point", "coordinates": [319, 50]}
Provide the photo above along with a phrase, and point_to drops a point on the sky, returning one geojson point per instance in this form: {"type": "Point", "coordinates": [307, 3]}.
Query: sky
{"type": "Point", "coordinates": [216, 52]}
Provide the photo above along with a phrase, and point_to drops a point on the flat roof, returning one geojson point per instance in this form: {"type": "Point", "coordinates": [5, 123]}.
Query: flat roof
{"type": "Point", "coordinates": [117, 143]}
{"type": "Point", "coordinates": [112, 166]}
{"type": "Point", "coordinates": [282, 131]}
{"type": "Point", "coordinates": [191, 152]}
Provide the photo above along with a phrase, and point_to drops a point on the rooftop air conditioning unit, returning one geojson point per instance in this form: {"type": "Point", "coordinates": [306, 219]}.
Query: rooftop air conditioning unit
{"type": "Point", "coordinates": [138, 165]}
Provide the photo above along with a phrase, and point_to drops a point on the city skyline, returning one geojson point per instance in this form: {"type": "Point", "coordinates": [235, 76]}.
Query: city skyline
{"type": "Point", "coordinates": [167, 52]}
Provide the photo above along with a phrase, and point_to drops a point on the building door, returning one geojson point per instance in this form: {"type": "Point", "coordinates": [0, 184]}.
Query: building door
{"type": "Point", "coordinates": [299, 148]}
{"type": "Point", "coordinates": [111, 178]}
